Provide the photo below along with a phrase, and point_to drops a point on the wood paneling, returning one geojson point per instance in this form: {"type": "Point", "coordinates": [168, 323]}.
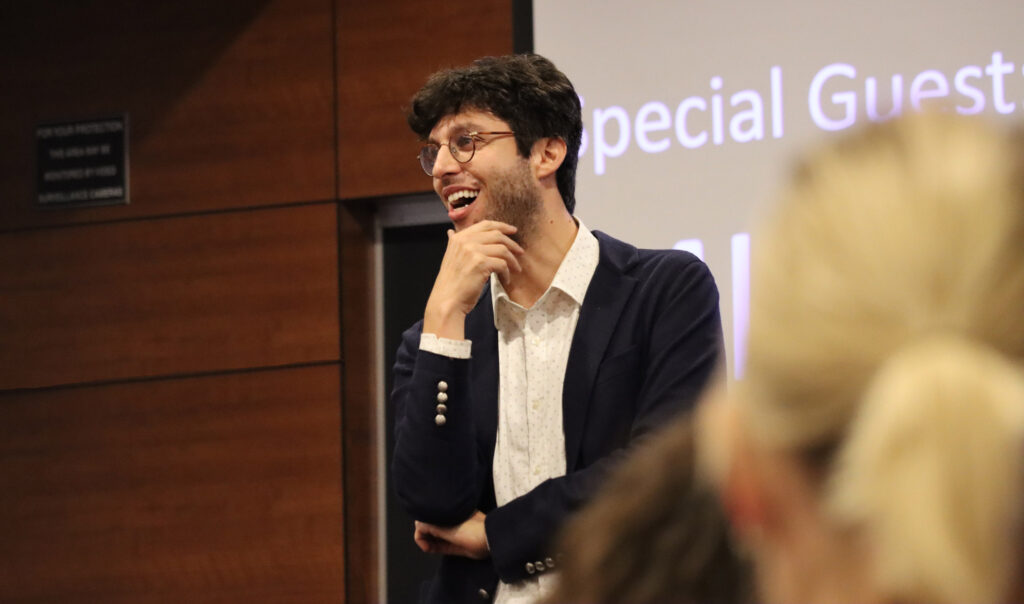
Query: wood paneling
{"type": "Point", "coordinates": [359, 351]}
{"type": "Point", "coordinates": [386, 50]}
{"type": "Point", "coordinates": [230, 103]}
{"type": "Point", "coordinates": [176, 295]}
{"type": "Point", "coordinates": [213, 489]}
{"type": "Point", "coordinates": [205, 459]}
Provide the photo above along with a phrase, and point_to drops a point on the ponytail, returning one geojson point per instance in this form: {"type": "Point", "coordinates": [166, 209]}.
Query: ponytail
{"type": "Point", "coordinates": [931, 472]}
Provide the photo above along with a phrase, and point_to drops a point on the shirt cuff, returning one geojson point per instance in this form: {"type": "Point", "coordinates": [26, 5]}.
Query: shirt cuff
{"type": "Point", "coordinates": [456, 349]}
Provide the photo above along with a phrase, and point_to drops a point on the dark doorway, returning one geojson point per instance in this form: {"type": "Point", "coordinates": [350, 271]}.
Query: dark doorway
{"type": "Point", "coordinates": [411, 257]}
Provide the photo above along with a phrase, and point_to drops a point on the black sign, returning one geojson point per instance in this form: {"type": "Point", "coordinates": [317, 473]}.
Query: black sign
{"type": "Point", "coordinates": [82, 163]}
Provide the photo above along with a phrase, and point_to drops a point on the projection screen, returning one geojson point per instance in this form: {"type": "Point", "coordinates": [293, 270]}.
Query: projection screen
{"type": "Point", "coordinates": [695, 110]}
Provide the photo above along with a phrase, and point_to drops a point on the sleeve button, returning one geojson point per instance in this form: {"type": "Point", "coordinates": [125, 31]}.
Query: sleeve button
{"type": "Point", "coordinates": [440, 420]}
{"type": "Point", "coordinates": [442, 386]}
{"type": "Point", "coordinates": [530, 568]}
{"type": "Point", "coordinates": [442, 397]}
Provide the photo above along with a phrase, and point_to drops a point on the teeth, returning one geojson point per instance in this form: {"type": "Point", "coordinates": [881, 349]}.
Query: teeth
{"type": "Point", "coordinates": [463, 194]}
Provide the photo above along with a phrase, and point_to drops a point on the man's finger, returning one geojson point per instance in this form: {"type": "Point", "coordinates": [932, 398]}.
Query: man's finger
{"type": "Point", "coordinates": [498, 251]}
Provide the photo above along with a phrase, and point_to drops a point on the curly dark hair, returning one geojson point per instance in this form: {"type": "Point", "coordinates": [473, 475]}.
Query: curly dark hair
{"type": "Point", "coordinates": [525, 90]}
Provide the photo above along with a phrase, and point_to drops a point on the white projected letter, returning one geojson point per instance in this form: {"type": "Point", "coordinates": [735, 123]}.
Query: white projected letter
{"type": "Point", "coordinates": [997, 69]}
{"type": "Point", "coordinates": [754, 115]}
{"type": "Point", "coordinates": [848, 98]}
{"type": "Point", "coordinates": [685, 139]}
{"type": "Point", "coordinates": [776, 79]}
{"type": "Point", "coordinates": [694, 246]}
{"type": "Point", "coordinates": [717, 128]}
{"type": "Point", "coordinates": [740, 300]}
{"type": "Point", "coordinates": [871, 98]}
{"type": "Point", "coordinates": [645, 125]}
{"type": "Point", "coordinates": [961, 85]}
{"type": "Point", "coordinates": [601, 148]}
{"type": "Point", "coordinates": [918, 92]}
{"type": "Point", "coordinates": [584, 139]}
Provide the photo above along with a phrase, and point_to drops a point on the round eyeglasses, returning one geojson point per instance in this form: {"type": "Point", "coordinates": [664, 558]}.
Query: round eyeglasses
{"type": "Point", "coordinates": [463, 147]}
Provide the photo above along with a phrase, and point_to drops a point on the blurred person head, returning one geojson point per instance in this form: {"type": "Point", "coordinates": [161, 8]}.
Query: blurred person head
{"type": "Point", "coordinates": [656, 534]}
{"type": "Point", "coordinates": [873, 450]}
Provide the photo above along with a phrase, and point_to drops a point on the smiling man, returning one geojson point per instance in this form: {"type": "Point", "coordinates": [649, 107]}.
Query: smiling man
{"type": "Point", "coordinates": [545, 349]}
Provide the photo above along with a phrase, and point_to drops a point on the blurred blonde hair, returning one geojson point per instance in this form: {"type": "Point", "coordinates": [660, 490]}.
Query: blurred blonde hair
{"type": "Point", "coordinates": [886, 333]}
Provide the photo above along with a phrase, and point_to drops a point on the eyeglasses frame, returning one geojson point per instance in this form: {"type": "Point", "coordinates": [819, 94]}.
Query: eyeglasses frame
{"type": "Point", "coordinates": [475, 136]}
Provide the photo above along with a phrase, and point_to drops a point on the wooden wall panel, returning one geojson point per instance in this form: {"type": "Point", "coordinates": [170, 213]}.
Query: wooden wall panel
{"type": "Point", "coordinates": [211, 489]}
{"type": "Point", "coordinates": [386, 50]}
{"type": "Point", "coordinates": [175, 295]}
{"type": "Point", "coordinates": [230, 103]}
{"type": "Point", "coordinates": [363, 510]}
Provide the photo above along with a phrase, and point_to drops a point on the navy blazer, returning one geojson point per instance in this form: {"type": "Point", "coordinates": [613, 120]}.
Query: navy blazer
{"type": "Point", "coordinates": [649, 337]}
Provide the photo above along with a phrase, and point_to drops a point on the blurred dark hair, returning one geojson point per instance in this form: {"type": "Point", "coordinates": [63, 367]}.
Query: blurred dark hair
{"type": "Point", "coordinates": [655, 534]}
{"type": "Point", "coordinates": [525, 90]}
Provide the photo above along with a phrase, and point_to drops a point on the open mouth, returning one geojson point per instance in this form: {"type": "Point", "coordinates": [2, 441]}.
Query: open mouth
{"type": "Point", "coordinates": [462, 198]}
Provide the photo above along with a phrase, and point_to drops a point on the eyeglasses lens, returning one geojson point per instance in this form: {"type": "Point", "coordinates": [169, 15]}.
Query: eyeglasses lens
{"type": "Point", "coordinates": [428, 155]}
{"type": "Point", "coordinates": [462, 147]}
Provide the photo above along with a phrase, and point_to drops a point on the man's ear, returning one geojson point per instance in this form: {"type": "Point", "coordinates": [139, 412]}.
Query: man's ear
{"type": "Point", "coordinates": [548, 154]}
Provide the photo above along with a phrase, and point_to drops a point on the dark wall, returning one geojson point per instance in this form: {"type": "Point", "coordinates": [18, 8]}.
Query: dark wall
{"type": "Point", "coordinates": [187, 394]}
{"type": "Point", "coordinates": [411, 258]}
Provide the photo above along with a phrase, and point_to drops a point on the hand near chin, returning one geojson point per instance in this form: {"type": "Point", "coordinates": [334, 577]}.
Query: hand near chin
{"type": "Point", "coordinates": [472, 255]}
{"type": "Point", "coordinates": [468, 539]}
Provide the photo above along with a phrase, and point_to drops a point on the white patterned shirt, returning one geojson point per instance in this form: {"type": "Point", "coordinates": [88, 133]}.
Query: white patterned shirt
{"type": "Point", "coordinates": [533, 351]}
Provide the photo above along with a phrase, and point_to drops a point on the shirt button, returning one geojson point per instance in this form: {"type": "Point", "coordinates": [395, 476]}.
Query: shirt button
{"type": "Point", "coordinates": [536, 405]}
{"type": "Point", "coordinates": [536, 470]}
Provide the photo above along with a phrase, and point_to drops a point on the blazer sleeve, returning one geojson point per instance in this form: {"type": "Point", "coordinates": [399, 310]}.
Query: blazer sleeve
{"type": "Point", "coordinates": [684, 349]}
{"type": "Point", "coordinates": [435, 468]}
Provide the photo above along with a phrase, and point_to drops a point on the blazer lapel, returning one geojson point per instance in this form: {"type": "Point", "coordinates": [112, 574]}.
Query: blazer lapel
{"type": "Point", "coordinates": [480, 330]}
{"type": "Point", "coordinates": [609, 290]}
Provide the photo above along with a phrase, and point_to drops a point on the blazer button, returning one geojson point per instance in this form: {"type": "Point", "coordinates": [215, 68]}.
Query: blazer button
{"type": "Point", "coordinates": [483, 594]}
{"type": "Point", "coordinates": [530, 568]}
{"type": "Point", "coordinates": [539, 566]}
{"type": "Point", "coordinates": [439, 420]}
{"type": "Point", "coordinates": [442, 386]}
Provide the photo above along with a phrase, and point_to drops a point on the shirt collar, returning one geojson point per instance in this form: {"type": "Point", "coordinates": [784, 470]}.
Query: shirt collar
{"type": "Point", "coordinates": [573, 274]}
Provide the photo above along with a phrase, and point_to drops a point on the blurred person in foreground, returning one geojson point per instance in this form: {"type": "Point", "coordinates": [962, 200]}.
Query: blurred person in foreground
{"type": "Point", "coordinates": [873, 451]}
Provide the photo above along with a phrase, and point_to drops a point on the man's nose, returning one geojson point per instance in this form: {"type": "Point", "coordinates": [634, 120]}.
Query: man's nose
{"type": "Point", "coordinates": [445, 163]}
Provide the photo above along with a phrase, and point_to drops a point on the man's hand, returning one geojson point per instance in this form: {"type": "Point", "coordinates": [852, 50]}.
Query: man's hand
{"type": "Point", "coordinates": [472, 255]}
{"type": "Point", "coordinates": [467, 539]}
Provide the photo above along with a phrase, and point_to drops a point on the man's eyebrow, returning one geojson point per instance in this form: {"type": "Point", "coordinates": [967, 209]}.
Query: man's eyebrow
{"type": "Point", "coordinates": [458, 127]}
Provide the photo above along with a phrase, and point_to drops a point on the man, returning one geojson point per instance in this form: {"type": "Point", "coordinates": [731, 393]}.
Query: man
{"type": "Point", "coordinates": [544, 349]}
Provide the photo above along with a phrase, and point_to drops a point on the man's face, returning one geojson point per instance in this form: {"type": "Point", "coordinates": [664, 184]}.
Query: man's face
{"type": "Point", "coordinates": [496, 184]}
